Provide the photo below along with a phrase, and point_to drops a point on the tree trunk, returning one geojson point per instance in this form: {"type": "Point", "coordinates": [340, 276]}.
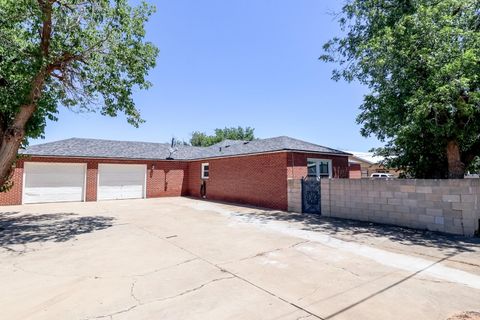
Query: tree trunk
{"type": "Point", "coordinates": [456, 168]}
{"type": "Point", "coordinates": [12, 137]}
{"type": "Point", "coordinates": [10, 143]}
{"type": "Point", "coordinates": [8, 154]}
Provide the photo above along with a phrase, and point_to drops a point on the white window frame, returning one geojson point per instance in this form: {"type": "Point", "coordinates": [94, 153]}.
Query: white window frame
{"type": "Point", "coordinates": [317, 163]}
{"type": "Point", "coordinates": [205, 164]}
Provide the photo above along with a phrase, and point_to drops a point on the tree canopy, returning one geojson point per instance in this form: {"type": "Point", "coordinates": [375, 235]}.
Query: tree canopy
{"type": "Point", "coordinates": [421, 61]}
{"type": "Point", "coordinates": [86, 55]}
{"type": "Point", "coordinates": [201, 139]}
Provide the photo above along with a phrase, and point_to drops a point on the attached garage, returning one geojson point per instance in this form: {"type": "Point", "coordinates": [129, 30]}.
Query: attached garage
{"type": "Point", "coordinates": [53, 182]}
{"type": "Point", "coordinates": [121, 181]}
{"type": "Point", "coordinates": [251, 172]}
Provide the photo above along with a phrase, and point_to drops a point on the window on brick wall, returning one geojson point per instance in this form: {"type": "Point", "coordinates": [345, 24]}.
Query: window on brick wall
{"type": "Point", "coordinates": [205, 170]}
{"type": "Point", "coordinates": [320, 168]}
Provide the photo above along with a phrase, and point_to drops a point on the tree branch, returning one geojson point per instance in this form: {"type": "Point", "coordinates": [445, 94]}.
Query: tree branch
{"type": "Point", "coordinates": [16, 130]}
{"type": "Point", "coordinates": [46, 27]}
{"type": "Point", "coordinates": [472, 153]}
{"type": "Point", "coordinates": [64, 59]}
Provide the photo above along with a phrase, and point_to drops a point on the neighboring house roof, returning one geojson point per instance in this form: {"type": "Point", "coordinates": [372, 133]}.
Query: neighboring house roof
{"type": "Point", "coordinates": [368, 157]}
{"type": "Point", "coordinates": [95, 148]}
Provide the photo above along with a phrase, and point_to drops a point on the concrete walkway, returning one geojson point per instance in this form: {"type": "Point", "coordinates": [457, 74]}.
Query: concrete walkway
{"type": "Point", "coordinates": [180, 258]}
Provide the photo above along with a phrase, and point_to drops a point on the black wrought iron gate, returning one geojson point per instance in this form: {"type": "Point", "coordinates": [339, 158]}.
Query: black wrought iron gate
{"type": "Point", "coordinates": [311, 199]}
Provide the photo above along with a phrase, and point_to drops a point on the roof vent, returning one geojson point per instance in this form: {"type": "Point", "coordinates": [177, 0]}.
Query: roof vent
{"type": "Point", "coordinates": [172, 149]}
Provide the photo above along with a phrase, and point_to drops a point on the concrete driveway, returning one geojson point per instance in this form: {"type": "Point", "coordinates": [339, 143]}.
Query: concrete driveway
{"type": "Point", "coordinates": [180, 258]}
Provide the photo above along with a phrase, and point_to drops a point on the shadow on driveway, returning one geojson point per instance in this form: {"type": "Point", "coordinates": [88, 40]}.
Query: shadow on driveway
{"type": "Point", "coordinates": [357, 229]}
{"type": "Point", "coordinates": [23, 229]}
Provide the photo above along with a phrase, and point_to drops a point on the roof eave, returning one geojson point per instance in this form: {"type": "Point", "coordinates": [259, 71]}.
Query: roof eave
{"type": "Point", "coordinates": [100, 158]}
{"type": "Point", "coordinates": [339, 153]}
{"type": "Point", "coordinates": [189, 159]}
{"type": "Point", "coordinates": [270, 151]}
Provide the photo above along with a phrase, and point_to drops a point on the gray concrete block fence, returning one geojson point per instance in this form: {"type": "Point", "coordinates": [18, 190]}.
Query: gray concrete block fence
{"type": "Point", "coordinates": [450, 206]}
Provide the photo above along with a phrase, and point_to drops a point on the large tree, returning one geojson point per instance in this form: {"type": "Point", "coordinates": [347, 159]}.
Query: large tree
{"type": "Point", "coordinates": [81, 54]}
{"type": "Point", "coordinates": [201, 139]}
{"type": "Point", "coordinates": [421, 61]}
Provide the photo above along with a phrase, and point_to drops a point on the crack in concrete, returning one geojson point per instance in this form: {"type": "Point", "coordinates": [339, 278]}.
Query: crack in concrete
{"type": "Point", "coordinates": [433, 280]}
{"type": "Point", "coordinates": [260, 254]}
{"type": "Point", "coordinates": [304, 317]}
{"type": "Point", "coordinates": [189, 290]}
{"type": "Point", "coordinates": [315, 290]}
{"type": "Point", "coordinates": [16, 266]}
{"type": "Point", "coordinates": [132, 294]}
{"type": "Point", "coordinates": [111, 315]}
{"type": "Point", "coordinates": [165, 268]}
{"type": "Point", "coordinates": [328, 264]}
{"type": "Point", "coordinates": [237, 276]}
{"type": "Point", "coordinates": [139, 303]}
{"type": "Point", "coordinates": [343, 269]}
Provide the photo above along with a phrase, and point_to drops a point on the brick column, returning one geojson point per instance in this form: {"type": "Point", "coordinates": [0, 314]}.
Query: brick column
{"type": "Point", "coordinates": [91, 185]}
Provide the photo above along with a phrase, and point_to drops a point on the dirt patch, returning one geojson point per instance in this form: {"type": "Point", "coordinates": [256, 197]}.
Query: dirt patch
{"type": "Point", "coordinates": [466, 316]}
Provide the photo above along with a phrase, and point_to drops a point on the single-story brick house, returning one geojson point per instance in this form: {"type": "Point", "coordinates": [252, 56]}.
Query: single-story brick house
{"type": "Point", "coordinates": [249, 172]}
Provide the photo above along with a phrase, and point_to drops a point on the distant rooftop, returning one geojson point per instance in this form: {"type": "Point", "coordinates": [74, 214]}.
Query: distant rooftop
{"type": "Point", "coordinates": [367, 157]}
{"type": "Point", "coordinates": [96, 148]}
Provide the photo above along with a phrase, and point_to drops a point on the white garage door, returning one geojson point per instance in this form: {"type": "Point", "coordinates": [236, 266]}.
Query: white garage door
{"type": "Point", "coordinates": [53, 182]}
{"type": "Point", "coordinates": [121, 181]}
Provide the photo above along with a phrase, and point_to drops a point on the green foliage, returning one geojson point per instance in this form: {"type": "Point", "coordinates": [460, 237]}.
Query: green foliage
{"type": "Point", "coordinates": [201, 139]}
{"type": "Point", "coordinates": [421, 61]}
{"type": "Point", "coordinates": [93, 58]}
{"type": "Point", "coordinates": [475, 166]}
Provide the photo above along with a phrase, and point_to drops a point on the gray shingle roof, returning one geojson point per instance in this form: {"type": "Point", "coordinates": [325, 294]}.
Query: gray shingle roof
{"type": "Point", "coordinates": [95, 148]}
{"type": "Point", "coordinates": [227, 143]}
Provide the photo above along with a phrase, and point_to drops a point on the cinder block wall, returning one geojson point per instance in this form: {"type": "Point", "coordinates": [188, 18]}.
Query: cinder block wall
{"type": "Point", "coordinates": [450, 206]}
{"type": "Point", "coordinates": [294, 195]}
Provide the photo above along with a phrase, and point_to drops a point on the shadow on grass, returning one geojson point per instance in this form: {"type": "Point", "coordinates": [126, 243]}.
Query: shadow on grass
{"type": "Point", "coordinates": [16, 228]}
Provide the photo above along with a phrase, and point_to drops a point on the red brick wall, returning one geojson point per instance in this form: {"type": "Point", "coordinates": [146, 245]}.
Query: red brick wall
{"type": "Point", "coordinates": [297, 164]}
{"type": "Point", "coordinates": [92, 172]}
{"type": "Point", "coordinates": [259, 180]}
{"type": "Point", "coordinates": [14, 196]}
{"type": "Point", "coordinates": [355, 171]}
{"type": "Point", "coordinates": [169, 178]}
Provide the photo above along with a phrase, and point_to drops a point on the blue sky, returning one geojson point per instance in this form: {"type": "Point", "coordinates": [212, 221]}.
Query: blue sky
{"type": "Point", "coordinates": [238, 62]}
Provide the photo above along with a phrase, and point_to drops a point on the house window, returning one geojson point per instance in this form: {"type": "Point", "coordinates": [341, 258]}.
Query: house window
{"type": "Point", "coordinates": [205, 170]}
{"type": "Point", "coordinates": [319, 168]}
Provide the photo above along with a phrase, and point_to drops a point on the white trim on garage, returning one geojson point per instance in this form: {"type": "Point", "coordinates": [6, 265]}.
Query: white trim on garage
{"type": "Point", "coordinates": [54, 182]}
{"type": "Point", "coordinates": [121, 181]}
